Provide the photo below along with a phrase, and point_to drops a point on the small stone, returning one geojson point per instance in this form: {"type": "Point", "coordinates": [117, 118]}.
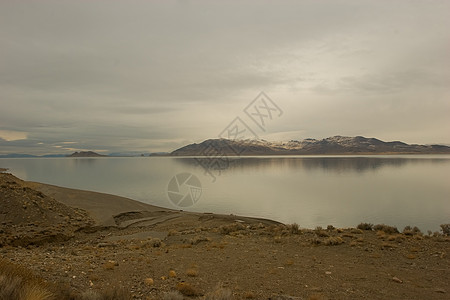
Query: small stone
{"type": "Point", "coordinates": [439, 290]}
{"type": "Point", "coordinates": [328, 272]}
{"type": "Point", "coordinates": [396, 279]}
{"type": "Point", "coordinates": [172, 274]}
{"type": "Point", "coordinates": [148, 281]}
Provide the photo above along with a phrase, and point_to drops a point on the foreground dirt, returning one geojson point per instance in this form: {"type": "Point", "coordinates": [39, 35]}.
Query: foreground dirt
{"type": "Point", "coordinates": [153, 252]}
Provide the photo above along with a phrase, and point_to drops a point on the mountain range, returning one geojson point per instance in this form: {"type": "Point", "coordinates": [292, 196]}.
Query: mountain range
{"type": "Point", "coordinates": [327, 146]}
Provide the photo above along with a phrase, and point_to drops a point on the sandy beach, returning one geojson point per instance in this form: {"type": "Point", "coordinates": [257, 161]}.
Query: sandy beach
{"type": "Point", "coordinates": [81, 244]}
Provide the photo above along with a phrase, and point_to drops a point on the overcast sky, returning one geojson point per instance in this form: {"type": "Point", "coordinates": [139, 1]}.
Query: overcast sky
{"type": "Point", "coordinates": [152, 76]}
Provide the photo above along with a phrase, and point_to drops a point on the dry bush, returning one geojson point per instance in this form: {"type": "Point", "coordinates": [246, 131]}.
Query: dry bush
{"type": "Point", "coordinates": [408, 230]}
{"type": "Point", "coordinates": [229, 228]}
{"type": "Point", "coordinates": [386, 228]}
{"type": "Point", "coordinates": [445, 229]}
{"type": "Point", "coordinates": [316, 241]}
{"type": "Point", "coordinates": [333, 241]}
{"type": "Point", "coordinates": [187, 289]}
{"type": "Point", "coordinates": [365, 226]}
{"type": "Point", "coordinates": [192, 272]}
{"type": "Point", "coordinates": [293, 228]}
{"type": "Point", "coordinates": [320, 232]}
{"type": "Point", "coordinates": [356, 231]}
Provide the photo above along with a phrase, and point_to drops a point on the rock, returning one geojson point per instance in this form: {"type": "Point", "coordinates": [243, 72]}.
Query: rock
{"type": "Point", "coordinates": [103, 245]}
{"type": "Point", "coordinates": [439, 290]}
{"type": "Point", "coordinates": [172, 274]}
{"type": "Point", "coordinates": [396, 279]}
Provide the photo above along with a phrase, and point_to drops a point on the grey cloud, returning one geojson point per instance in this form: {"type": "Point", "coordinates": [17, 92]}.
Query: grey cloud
{"type": "Point", "coordinates": [154, 75]}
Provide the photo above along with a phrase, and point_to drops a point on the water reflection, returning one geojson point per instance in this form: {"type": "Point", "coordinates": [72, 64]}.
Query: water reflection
{"type": "Point", "coordinates": [328, 164]}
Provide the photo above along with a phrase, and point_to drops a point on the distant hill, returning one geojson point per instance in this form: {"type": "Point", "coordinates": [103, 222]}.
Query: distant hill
{"type": "Point", "coordinates": [16, 155]}
{"type": "Point", "coordinates": [20, 155]}
{"type": "Point", "coordinates": [328, 146]}
{"type": "Point", "coordinates": [85, 154]}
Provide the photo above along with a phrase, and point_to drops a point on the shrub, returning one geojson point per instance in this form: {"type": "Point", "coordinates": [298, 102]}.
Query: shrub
{"type": "Point", "coordinates": [187, 289]}
{"type": "Point", "coordinates": [408, 230]}
{"type": "Point", "coordinates": [227, 229]}
{"type": "Point", "coordinates": [192, 272]}
{"type": "Point", "coordinates": [320, 232]}
{"type": "Point", "coordinates": [365, 226]}
{"type": "Point", "coordinates": [386, 228]}
{"type": "Point", "coordinates": [445, 229]}
{"type": "Point", "coordinates": [293, 228]}
{"type": "Point", "coordinates": [332, 241]}
{"type": "Point", "coordinates": [330, 228]}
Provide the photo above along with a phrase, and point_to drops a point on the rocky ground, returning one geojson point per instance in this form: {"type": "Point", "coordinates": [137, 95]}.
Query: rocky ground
{"type": "Point", "coordinates": [156, 253]}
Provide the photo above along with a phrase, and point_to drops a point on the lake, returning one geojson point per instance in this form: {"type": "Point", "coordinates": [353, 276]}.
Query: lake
{"type": "Point", "coordinates": [309, 190]}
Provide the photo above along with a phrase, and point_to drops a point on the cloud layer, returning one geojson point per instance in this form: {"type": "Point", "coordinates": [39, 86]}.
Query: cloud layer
{"type": "Point", "coordinates": [153, 75]}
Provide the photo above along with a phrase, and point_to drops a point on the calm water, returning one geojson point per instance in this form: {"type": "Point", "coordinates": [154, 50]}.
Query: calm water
{"type": "Point", "coordinates": [312, 191]}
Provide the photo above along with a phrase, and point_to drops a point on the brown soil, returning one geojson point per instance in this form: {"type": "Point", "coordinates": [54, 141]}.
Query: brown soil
{"type": "Point", "coordinates": [151, 251]}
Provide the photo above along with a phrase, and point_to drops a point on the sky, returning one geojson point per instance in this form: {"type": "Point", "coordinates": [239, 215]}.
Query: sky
{"type": "Point", "coordinates": [150, 76]}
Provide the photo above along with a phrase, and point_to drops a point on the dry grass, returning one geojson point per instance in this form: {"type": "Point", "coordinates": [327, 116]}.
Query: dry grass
{"type": "Point", "coordinates": [18, 283]}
